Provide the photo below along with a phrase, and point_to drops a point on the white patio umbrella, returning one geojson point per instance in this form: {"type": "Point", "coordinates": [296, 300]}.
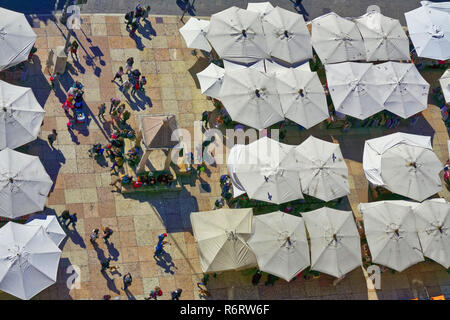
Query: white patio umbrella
{"type": "Point", "coordinates": [302, 97]}
{"type": "Point", "coordinates": [445, 85]}
{"type": "Point", "coordinates": [28, 260]}
{"type": "Point", "coordinates": [429, 30]}
{"type": "Point", "coordinates": [433, 227]}
{"type": "Point", "coordinates": [408, 90]}
{"type": "Point", "coordinates": [335, 241]}
{"type": "Point", "coordinates": [275, 67]}
{"type": "Point", "coordinates": [391, 234]}
{"type": "Point", "coordinates": [230, 65]}
{"type": "Point", "coordinates": [267, 171]}
{"type": "Point", "coordinates": [237, 35]}
{"type": "Point", "coordinates": [20, 116]}
{"type": "Point", "coordinates": [323, 172]}
{"type": "Point", "coordinates": [280, 245]}
{"type": "Point", "coordinates": [16, 38]}
{"type": "Point", "coordinates": [51, 227]}
{"type": "Point", "coordinates": [24, 184]}
{"type": "Point", "coordinates": [287, 37]}
{"type": "Point", "coordinates": [194, 33]}
{"type": "Point", "coordinates": [384, 37]}
{"type": "Point", "coordinates": [236, 152]}
{"type": "Point", "coordinates": [336, 39]}
{"type": "Point", "coordinates": [262, 8]}
{"type": "Point", "coordinates": [211, 80]}
{"type": "Point", "coordinates": [221, 237]}
{"type": "Point", "coordinates": [357, 89]}
{"type": "Point", "coordinates": [250, 97]}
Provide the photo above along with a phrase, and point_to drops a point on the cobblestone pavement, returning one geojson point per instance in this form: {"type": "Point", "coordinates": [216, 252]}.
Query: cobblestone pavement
{"type": "Point", "coordinates": [82, 185]}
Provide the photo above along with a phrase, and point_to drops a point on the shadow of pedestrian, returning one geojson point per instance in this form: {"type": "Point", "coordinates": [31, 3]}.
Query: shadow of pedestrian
{"type": "Point", "coordinates": [113, 252]}
{"type": "Point", "coordinates": [75, 236]}
{"type": "Point", "coordinates": [146, 30]}
{"type": "Point", "coordinates": [165, 261]}
{"type": "Point", "coordinates": [130, 296]}
{"type": "Point", "coordinates": [110, 282]}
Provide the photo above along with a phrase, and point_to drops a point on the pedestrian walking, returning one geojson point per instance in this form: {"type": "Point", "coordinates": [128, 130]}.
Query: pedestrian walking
{"type": "Point", "coordinates": [94, 236]}
{"type": "Point", "coordinates": [134, 27]}
{"type": "Point", "coordinates": [68, 105]}
{"type": "Point", "coordinates": [161, 237]}
{"type": "Point", "coordinates": [155, 293]}
{"type": "Point", "coordinates": [101, 111]}
{"type": "Point", "coordinates": [72, 220]}
{"type": "Point", "coordinates": [52, 81]}
{"type": "Point", "coordinates": [52, 138]}
{"type": "Point", "coordinates": [146, 13]}
{"type": "Point", "coordinates": [202, 292]}
{"type": "Point", "coordinates": [176, 294]}
{"type": "Point", "coordinates": [65, 215]}
{"type": "Point", "coordinates": [129, 18]}
{"type": "Point", "coordinates": [142, 83]}
{"type": "Point", "coordinates": [107, 232]}
{"type": "Point", "coordinates": [106, 297]}
{"type": "Point", "coordinates": [127, 279]}
{"type": "Point", "coordinates": [118, 75]}
{"type": "Point", "coordinates": [159, 249]}
{"type": "Point", "coordinates": [129, 65]}
{"type": "Point", "coordinates": [74, 48]}
{"type": "Point", "coordinates": [106, 265]}
{"type": "Point", "coordinates": [205, 119]}
{"type": "Point", "coordinates": [135, 88]}
{"type": "Point", "coordinates": [114, 103]}
{"type": "Point", "coordinates": [139, 12]}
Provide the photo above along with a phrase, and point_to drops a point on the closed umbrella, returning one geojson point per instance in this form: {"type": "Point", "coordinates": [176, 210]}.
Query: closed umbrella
{"type": "Point", "coordinates": [211, 80]}
{"type": "Point", "coordinates": [336, 39]}
{"type": "Point", "coordinates": [237, 35]}
{"type": "Point", "coordinates": [302, 97]}
{"type": "Point", "coordinates": [429, 30]}
{"type": "Point", "coordinates": [384, 37]}
{"type": "Point", "coordinates": [408, 90]}
{"type": "Point", "coordinates": [287, 37]}
{"type": "Point", "coordinates": [445, 85]}
{"type": "Point", "coordinates": [323, 172]}
{"type": "Point", "coordinates": [24, 184]}
{"type": "Point", "coordinates": [51, 227]}
{"type": "Point", "coordinates": [391, 234]}
{"type": "Point", "coordinates": [335, 241]}
{"type": "Point", "coordinates": [280, 245]}
{"type": "Point", "coordinates": [28, 260]}
{"type": "Point", "coordinates": [262, 8]}
{"type": "Point", "coordinates": [433, 227]}
{"type": "Point", "coordinates": [21, 116]}
{"type": "Point", "coordinates": [194, 33]}
{"type": "Point", "coordinates": [251, 98]}
{"type": "Point", "coordinates": [357, 89]}
{"type": "Point", "coordinates": [267, 171]}
{"type": "Point", "coordinates": [221, 237]}
{"type": "Point", "coordinates": [16, 38]}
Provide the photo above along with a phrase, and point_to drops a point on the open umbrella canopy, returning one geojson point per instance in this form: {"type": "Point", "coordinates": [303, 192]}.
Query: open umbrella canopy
{"type": "Point", "coordinates": [237, 35]}
{"type": "Point", "coordinates": [336, 39]}
{"type": "Point", "coordinates": [323, 172]}
{"type": "Point", "coordinates": [408, 90]}
{"type": "Point", "coordinates": [335, 241]}
{"type": "Point", "coordinates": [16, 38]}
{"type": "Point", "coordinates": [445, 85]}
{"type": "Point", "coordinates": [302, 96]}
{"type": "Point", "coordinates": [24, 184]}
{"type": "Point", "coordinates": [51, 226]}
{"type": "Point", "coordinates": [267, 171]}
{"type": "Point", "coordinates": [236, 152]}
{"type": "Point", "coordinates": [251, 98]}
{"type": "Point", "coordinates": [357, 89]}
{"type": "Point", "coordinates": [429, 30]}
{"type": "Point", "coordinates": [194, 33]}
{"type": "Point", "coordinates": [28, 260]}
{"type": "Point", "coordinates": [262, 8]}
{"type": "Point", "coordinates": [211, 80]}
{"type": "Point", "coordinates": [21, 116]}
{"type": "Point", "coordinates": [287, 37]}
{"type": "Point", "coordinates": [221, 237]}
{"type": "Point", "coordinates": [433, 227]}
{"type": "Point", "coordinates": [391, 234]}
{"type": "Point", "coordinates": [280, 245]}
{"type": "Point", "coordinates": [384, 37]}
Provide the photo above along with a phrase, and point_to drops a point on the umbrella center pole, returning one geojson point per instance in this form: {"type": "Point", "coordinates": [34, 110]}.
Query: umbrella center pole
{"type": "Point", "coordinates": [286, 33]}
{"type": "Point", "coordinates": [257, 93]}
{"type": "Point", "coordinates": [244, 33]}
{"type": "Point", "coordinates": [413, 164]}
{"type": "Point", "coordinates": [300, 92]}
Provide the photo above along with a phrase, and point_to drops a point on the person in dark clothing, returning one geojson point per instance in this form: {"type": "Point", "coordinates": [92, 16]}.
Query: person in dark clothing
{"type": "Point", "coordinates": [72, 220]}
{"type": "Point", "coordinates": [52, 138]}
{"type": "Point", "coordinates": [65, 215]}
{"type": "Point", "coordinates": [129, 18]}
{"type": "Point", "coordinates": [127, 279]}
{"type": "Point", "coordinates": [176, 294]}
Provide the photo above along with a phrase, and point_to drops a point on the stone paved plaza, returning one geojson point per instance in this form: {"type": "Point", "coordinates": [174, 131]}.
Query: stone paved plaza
{"type": "Point", "coordinates": [81, 185]}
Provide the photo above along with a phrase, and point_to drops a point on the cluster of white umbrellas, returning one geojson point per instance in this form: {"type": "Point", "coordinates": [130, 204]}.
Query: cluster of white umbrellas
{"type": "Point", "coordinates": [401, 233]}
{"type": "Point", "coordinates": [361, 90]}
{"type": "Point", "coordinates": [232, 239]}
{"type": "Point", "coordinates": [404, 164]}
{"type": "Point", "coordinates": [274, 172]}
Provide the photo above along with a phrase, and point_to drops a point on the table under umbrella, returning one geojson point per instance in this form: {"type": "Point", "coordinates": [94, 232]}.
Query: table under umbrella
{"type": "Point", "coordinates": [28, 260]}
{"type": "Point", "coordinates": [24, 184]}
{"type": "Point", "coordinates": [280, 245]}
{"type": "Point", "coordinates": [391, 234]}
{"type": "Point", "coordinates": [16, 38]}
{"type": "Point", "coordinates": [221, 237]}
{"type": "Point", "coordinates": [323, 171]}
{"type": "Point", "coordinates": [194, 33]}
{"type": "Point", "coordinates": [21, 116]}
{"type": "Point", "coordinates": [335, 241]}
